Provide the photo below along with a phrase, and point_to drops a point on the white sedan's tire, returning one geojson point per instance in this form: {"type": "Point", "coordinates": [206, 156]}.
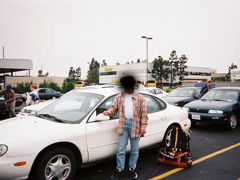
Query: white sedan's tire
{"type": "Point", "coordinates": [58, 163]}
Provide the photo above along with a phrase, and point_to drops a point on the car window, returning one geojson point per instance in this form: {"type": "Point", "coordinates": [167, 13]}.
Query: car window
{"type": "Point", "coordinates": [161, 103]}
{"type": "Point", "coordinates": [221, 95]}
{"type": "Point", "coordinates": [49, 91]}
{"type": "Point", "coordinates": [152, 105]}
{"type": "Point", "coordinates": [72, 108]}
{"type": "Point", "coordinates": [158, 91]}
{"type": "Point", "coordinates": [152, 91]}
{"type": "Point", "coordinates": [197, 93]}
{"type": "Point", "coordinates": [42, 91]}
{"type": "Point", "coordinates": [106, 105]}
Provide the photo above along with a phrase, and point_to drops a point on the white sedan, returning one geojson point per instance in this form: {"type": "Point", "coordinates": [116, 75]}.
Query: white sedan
{"type": "Point", "coordinates": [72, 132]}
{"type": "Point", "coordinates": [157, 91]}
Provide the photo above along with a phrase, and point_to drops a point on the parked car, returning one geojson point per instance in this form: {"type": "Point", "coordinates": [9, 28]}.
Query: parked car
{"type": "Point", "coordinates": [182, 96]}
{"type": "Point", "coordinates": [48, 93]}
{"type": "Point", "coordinates": [73, 132]}
{"type": "Point", "coordinates": [157, 91]}
{"type": "Point", "coordinates": [3, 108]}
{"type": "Point", "coordinates": [220, 105]}
{"type": "Point", "coordinates": [35, 108]}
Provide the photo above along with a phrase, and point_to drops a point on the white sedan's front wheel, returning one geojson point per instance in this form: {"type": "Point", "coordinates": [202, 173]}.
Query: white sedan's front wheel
{"type": "Point", "coordinates": [56, 164]}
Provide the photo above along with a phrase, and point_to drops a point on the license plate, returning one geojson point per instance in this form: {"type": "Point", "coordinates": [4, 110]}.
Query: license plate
{"type": "Point", "coordinates": [196, 117]}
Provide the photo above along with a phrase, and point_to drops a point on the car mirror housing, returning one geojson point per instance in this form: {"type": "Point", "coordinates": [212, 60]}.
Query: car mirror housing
{"type": "Point", "coordinates": [101, 117]}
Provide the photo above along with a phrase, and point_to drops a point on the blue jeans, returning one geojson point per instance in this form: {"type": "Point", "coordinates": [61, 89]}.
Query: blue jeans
{"type": "Point", "coordinates": [122, 145]}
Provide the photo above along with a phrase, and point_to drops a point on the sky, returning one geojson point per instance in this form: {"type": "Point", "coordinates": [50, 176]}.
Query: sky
{"type": "Point", "coordinates": [58, 34]}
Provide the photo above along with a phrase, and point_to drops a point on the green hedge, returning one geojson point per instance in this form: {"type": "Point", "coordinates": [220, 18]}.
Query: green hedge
{"type": "Point", "coordinates": [22, 88]}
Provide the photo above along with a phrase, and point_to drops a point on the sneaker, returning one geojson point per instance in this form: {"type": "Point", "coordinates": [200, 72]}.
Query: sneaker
{"type": "Point", "coordinates": [116, 175]}
{"type": "Point", "coordinates": [133, 174]}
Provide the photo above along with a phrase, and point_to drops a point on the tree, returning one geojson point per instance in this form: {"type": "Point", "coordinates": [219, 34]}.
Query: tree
{"type": "Point", "coordinates": [103, 63]}
{"type": "Point", "coordinates": [160, 69]}
{"type": "Point", "coordinates": [182, 66]}
{"type": "Point", "coordinates": [40, 73]}
{"type": "Point", "coordinates": [46, 74]}
{"type": "Point", "coordinates": [78, 73]}
{"type": "Point", "coordinates": [71, 73]}
{"type": "Point", "coordinates": [174, 65]}
{"type": "Point", "coordinates": [230, 68]}
{"type": "Point", "coordinates": [93, 72]}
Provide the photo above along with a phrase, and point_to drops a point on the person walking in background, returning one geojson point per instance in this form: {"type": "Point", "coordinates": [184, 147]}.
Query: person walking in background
{"type": "Point", "coordinates": [133, 121]}
{"type": "Point", "coordinates": [10, 99]}
{"type": "Point", "coordinates": [140, 86]}
{"type": "Point", "coordinates": [34, 93]}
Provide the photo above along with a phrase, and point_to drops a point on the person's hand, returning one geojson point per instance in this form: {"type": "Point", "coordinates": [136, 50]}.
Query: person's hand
{"type": "Point", "coordinates": [106, 113]}
{"type": "Point", "coordinates": [142, 132]}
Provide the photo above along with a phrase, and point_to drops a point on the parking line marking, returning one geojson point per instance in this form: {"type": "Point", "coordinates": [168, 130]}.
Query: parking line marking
{"type": "Point", "coordinates": [161, 176]}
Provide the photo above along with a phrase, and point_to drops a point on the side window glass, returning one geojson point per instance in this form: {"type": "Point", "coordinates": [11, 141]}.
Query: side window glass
{"type": "Point", "coordinates": [152, 105]}
{"type": "Point", "coordinates": [106, 105]}
{"type": "Point", "coordinates": [152, 91]}
{"type": "Point", "coordinates": [198, 93]}
{"type": "Point", "coordinates": [158, 91]}
{"type": "Point", "coordinates": [162, 105]}
{"type": "Point", "coordinates": [42, 91]}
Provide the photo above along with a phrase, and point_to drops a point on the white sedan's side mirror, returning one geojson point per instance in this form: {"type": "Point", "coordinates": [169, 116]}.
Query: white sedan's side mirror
{"type": "Point", "coordinates": [101, 117]}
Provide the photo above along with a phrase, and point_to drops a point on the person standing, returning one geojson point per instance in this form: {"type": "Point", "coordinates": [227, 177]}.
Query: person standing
{"type": "Point", "coordinates": [10, 99]}
{"type": "Point", "coordinates": [133, 121]}
{"type": "Point", "coordinates": [209, 85]}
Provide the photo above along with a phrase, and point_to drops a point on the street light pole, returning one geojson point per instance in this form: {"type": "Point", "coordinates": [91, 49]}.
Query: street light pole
{"type": "Point", "coordinates": [147, 38]}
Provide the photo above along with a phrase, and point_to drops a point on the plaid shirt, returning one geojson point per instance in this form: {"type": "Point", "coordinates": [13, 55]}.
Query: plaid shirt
{"type": "Point", "coordinates": [140, 118]}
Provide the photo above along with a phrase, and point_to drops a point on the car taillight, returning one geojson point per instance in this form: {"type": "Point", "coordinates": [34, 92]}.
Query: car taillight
{"type": "Point", "coordinates": [5, 105]}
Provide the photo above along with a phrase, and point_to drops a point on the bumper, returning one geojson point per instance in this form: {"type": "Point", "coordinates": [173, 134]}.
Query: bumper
{"type": "Point", "coordinates": [218, 118]}
{"type": "Point", "coordinates": [186, 124]}
{"type": "Point", "coordinates": [4, 112]}
{"type": "Point", "coordinates": [9, 171]}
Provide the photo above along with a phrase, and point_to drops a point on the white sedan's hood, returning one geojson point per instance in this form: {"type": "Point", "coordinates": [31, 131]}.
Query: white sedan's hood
{"type": "Point", "coordinates": [39, 106]}
{"type": "Point", "coordinates": [34, 131]}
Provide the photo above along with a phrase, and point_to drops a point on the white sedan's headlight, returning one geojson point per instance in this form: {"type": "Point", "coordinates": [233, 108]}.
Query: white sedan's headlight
{"type": "Point", "coordinates": [215, 112]}
{"type": "Point", "coordinates": [3, 149]}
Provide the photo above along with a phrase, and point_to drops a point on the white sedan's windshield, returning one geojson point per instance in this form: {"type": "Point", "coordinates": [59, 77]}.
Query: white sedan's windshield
{"type": "Point", "coordinates": [71, 108]}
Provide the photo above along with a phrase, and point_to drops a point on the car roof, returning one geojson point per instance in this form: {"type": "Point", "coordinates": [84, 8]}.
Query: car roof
{"type": "Point", "coordinates": [105, 90]}
{"type": "Point", "coordinates": [229, 88]}
{"type": "Point", "coordinates": [190, 88]}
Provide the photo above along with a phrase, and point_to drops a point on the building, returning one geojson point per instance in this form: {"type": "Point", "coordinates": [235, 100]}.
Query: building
{"type": "Point", "coordinates": [235, 75]}
{"type": "Point", "coordinates": [9, 66]}
{"type": "Point", "coordinates": [196, 74]}
{"type": "Point", "coordinates": [14, 80]}
{"type": "Point", "coordinates": [112, 74]}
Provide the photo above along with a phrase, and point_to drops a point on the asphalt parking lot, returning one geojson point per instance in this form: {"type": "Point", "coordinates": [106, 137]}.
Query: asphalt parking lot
{"type": "Point", "coordinates": [206, 139]}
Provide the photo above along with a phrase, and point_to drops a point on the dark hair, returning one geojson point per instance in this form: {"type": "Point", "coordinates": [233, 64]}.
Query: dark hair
{"type": "Point", "coordinates": [128, 82]}
{"type": "Point", "coordinates": [139, 82]}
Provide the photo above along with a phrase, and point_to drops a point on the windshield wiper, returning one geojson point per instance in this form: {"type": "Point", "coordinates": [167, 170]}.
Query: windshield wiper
{"type": "Point", "coordinates": [217, 99]}
{"type": "Point", "coordinates": [49, 116]}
